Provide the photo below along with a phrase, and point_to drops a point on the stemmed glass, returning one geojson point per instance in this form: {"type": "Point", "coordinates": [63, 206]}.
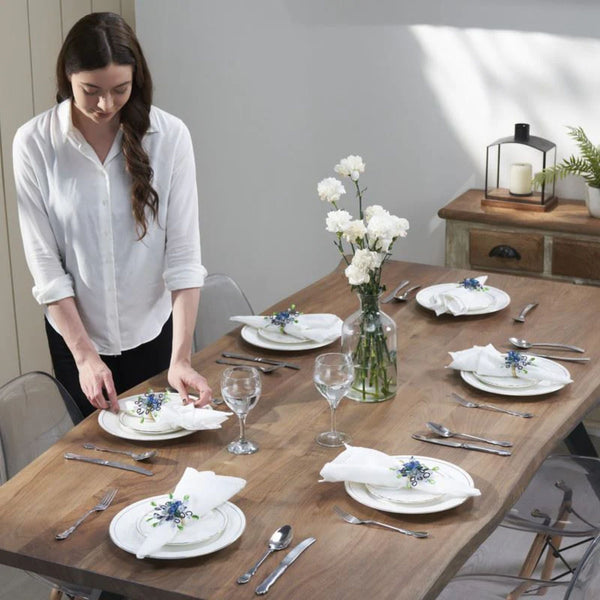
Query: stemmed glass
{"type": "Point", "coordinates": [333, 377]}
{"type": "Point", "coordinates": [240, 388]}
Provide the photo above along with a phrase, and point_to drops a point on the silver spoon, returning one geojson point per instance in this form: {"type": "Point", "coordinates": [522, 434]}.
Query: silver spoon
{"type": "Point", "coordinates": [260, 368]}
{"type": "Point", "coordinates": [134, 455]}
{"type": "Point", "coordinates": [280, 539]}
{"type": "Point", "coordinates": [521, 343]}
{"type": "Point", "coordinates": [445, 432]}
{"type": "Point", "coordinates": [404, 297]}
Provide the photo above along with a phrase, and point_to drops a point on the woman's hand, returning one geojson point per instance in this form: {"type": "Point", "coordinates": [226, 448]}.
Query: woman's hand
{"type": "Point", "coordinates": [96, 381]}
{"type": "Point", "coordinates": [184, 379]}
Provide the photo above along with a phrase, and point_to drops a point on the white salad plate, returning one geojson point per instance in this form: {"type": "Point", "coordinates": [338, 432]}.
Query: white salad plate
{"type": "Point", "coordinates": [125, 531]}
{"type": "Point", "coordinates": [508, 386]}
{"type": "Point", "coordinates": [413, 501]}
{"type": "Point", "coordinates": [253, 336]}
{"type": "Point", "coordinates": [498, 298]}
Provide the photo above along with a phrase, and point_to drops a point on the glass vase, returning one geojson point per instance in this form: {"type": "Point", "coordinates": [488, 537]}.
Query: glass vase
{"type": "Point", "coordinates": [369, 336]}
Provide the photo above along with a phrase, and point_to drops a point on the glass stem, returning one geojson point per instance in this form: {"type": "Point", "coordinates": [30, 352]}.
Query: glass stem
{"type": "Point", "coordinates": [242, 427]}
{"type": "Point", "coordinates": [333, 419]}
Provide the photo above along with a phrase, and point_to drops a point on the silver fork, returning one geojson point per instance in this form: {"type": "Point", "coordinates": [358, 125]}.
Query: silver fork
{"type": "Point", "coordinates": [260, 368]}
{"type": "Point", "coordinates": [102, 505]}
{"type": "Point", "coordinates": [356, 521]}
{"type": "Point", "coordinates": [470, 404]}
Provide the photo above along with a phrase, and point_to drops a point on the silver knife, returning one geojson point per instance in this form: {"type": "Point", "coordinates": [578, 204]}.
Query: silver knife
{"type": "Point", "coordinates": [260, 359]}
{"type": "Point", "coordinates": [390, 297]}
{"type": "Point", "coordinates": [290, 557]}
{"type": "Point", "coordinates": [108, 463]}
{"type": "Point", "coordinates": [442, 442]}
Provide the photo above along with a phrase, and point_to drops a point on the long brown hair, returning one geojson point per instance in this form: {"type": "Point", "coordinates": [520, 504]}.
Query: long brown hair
{"type": "Point", "coordinates": [94, 42]}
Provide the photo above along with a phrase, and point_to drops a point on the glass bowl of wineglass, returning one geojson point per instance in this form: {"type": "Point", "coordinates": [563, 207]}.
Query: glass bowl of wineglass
{"type": "Point", "coordinates": [240, 388]}
{"type": "Point", "coordinates": [333, 376]}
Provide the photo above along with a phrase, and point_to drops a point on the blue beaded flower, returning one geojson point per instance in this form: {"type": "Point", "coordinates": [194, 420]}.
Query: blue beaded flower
{"type": "Point", "coordinates": [172, 511]}
{"type": "Point", "coordinates": [471, 283]}
{"type": "Point", "coordinates": [517, 362]}
{"type": "Point", "coordinates": [150, 403]}
{"type": "Point", "coordinates": [282, 318]}
{"type": "Point", "coordinates": [415, 472]}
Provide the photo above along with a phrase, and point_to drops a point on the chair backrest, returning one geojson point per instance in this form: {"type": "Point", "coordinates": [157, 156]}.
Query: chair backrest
{"type": "Point", "coordinates": [35, 412]}
{"type": "Point", "coordinates": [585, 584]}
{"type": "Point", "coordinates": [220, 298]}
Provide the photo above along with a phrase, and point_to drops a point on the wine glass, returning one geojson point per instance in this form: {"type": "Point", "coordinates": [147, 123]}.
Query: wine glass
{"type": "Point", "coordinates": [333, 377]}
{"type": "Point", "coordinates": [240, 388]}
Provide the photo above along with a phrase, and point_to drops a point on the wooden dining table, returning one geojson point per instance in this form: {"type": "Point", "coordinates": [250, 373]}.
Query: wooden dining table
{"type": "Point", "coordinates": [347, 561]}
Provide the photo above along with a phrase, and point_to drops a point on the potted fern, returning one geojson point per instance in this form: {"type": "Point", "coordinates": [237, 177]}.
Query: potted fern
{"type": "Point", "coordinates": [587, 165]}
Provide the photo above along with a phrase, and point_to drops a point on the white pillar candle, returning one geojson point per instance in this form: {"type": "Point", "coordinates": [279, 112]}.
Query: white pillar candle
{"type": "Point", "coordinates": [520, 179]}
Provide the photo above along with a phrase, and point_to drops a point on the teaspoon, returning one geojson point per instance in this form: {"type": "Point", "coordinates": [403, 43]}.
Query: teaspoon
{"type": "Point", "coordinates": [520, 343]}
{"type": "Point", "coordinates": [134, 455]}
{"type": "Point", "coordinates": [445, 432]}
{"type": "Point", "coordinates": [280, 539]}
{"type": "Point", "coordinates": [404, 297]}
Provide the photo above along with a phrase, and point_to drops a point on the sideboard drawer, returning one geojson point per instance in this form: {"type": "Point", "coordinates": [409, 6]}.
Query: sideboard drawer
{"type": "Point", "coordinates": [504, 250]}
{"type": "Point", "coordinates": [576, 258]}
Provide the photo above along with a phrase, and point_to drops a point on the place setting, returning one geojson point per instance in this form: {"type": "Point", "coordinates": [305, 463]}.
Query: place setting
{"type": "Point", "coordinates": [471, 296]}
{"type": "Point", "coordinates": [159, 415]}
{"type": "Point", "coordinates": [290, 330]}
{"type": "Point", "coordinates": [509, 373]}
{"type": "Point", "coordinates": [195, 519]}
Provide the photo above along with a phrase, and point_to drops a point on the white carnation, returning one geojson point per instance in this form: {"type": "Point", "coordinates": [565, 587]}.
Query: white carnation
{"type": "Point", "coordinates": [330, 189]}
{"type": "Point", "coordinates": [374, 210]}
{"type": "Point", "coordinates": [367, 260]}
{"type": "Point", "coordinates": [337, 220]}
{"type": "Point", "coordinates": [354, 231]}
{"type": "Point", "coordinates": [356, 276]}
{"type": "Point", "coordinates": [383, 229]}
{"type": "Point", "coordinates": [351, 166]}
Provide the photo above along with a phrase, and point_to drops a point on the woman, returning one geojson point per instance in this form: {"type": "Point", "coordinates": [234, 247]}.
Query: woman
{"type": "Point", "coordinates": [108, 209]}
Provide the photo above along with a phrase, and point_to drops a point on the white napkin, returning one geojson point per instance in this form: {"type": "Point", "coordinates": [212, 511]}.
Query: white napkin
{"type": "Point", "coordinates": [365, 465]}
{"type": "Point", "coordinates": [314, 327]}
{"type": "Point", "coordinates": [486, 360]}
{"type": "Point", "coordinates": [205, 490]}
{"type": "Point", "coordinates": [175, 413]}
{"type": "Point", "coordinates": [460, 300]}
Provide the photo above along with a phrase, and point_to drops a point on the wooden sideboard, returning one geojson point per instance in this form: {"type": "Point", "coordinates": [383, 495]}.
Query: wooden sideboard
{"type": "Point", "coordinates": [563, 243]}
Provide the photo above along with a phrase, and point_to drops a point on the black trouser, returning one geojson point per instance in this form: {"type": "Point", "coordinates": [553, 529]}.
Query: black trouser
{"type": "Point", "coordinates": [128, 369]}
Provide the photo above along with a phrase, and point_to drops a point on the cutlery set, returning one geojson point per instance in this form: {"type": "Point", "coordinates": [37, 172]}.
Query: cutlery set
{"type": "Point", "coordinates": [400, 297]}
{"type": "Point", "coordinates": [280, 540]}
{"type": "Point", "coordinates": [275, 364]}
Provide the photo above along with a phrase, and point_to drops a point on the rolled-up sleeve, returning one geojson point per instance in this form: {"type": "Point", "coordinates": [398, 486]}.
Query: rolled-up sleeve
{"type": "Point", "coordinates": [51, 282]}
{"type": "Point", "coordinates": [183, 265]}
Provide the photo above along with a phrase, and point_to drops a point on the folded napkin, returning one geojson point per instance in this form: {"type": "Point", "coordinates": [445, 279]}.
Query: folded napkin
{"type": "Point", "coordinates": [467, 295]}
{"type": "Point", "coordinates": [200, 492]}
{"type": "Point", "coordinates": [172, 412]}
{"type": "Point", "coordinates": [312, 327]}
{"type": "Point", "coordinates": [372, 467]}
{"type": "Point", "coordinates": [486, 360]}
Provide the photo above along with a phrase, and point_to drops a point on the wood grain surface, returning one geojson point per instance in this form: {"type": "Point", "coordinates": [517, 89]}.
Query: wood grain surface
{"type": "Point", "coordinates": [347, 562]}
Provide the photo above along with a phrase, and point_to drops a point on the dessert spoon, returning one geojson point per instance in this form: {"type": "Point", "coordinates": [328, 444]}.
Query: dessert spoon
{"type": "Point", "coordinates": [280, 539]}
{"type": "Point", "coordinates": [135, 455]}
{"type": "Point", "coordinates": [445, 432]}
{"type": "Point", "coordinates": [521, 343]}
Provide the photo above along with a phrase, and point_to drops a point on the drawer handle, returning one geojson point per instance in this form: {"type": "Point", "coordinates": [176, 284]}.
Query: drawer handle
{"type": "Point", "coordinates": [505, 252]}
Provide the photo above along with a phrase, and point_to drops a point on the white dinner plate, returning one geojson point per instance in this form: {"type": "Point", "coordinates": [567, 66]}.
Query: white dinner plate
{"type": "Point", "coordinates": [252, 336]}
{"type": "Point", "coordinates": [208, 527]}
{"type": "Point", "coordinates": [510, 383]}
{"type": "Point", "coordinates": [536, 389]}
{"type": "Point", "coordinates": [391, 501]}
{"type": "Point", "coordinates": [124, 532]}
{"type": "Point", "coordinates": [148, 425]}
{"type": "Point", "coordinates": [499, 299]}
{"type": "Point", "coordinates": [111, 424]}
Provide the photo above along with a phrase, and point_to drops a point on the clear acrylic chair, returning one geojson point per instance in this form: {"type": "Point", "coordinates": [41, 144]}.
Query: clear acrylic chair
{"type": "Point", "coordinates": [35, 412]}
{"type": "Point", "coordinates": [561, 501]}
{"type": "Point", "coordinates": [584, 585]}
{"type": "Point", "coordinates": [220, 298]}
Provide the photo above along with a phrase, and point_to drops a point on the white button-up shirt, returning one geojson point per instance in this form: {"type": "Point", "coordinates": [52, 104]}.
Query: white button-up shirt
{"type": "Point", "coordinates": [80, 235]}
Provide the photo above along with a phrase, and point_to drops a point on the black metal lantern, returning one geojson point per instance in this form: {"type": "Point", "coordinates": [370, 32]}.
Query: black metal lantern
{"type": "Point", "coordinates": [519, 193]}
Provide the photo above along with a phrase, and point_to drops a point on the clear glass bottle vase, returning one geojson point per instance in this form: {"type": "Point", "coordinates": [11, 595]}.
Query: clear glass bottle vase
{"type": "Point", "coordinates": [369, 336]}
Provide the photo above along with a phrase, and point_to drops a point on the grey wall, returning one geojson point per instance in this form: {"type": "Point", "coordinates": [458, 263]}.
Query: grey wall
{"type": "Point", "coordinates": [275, 92]}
